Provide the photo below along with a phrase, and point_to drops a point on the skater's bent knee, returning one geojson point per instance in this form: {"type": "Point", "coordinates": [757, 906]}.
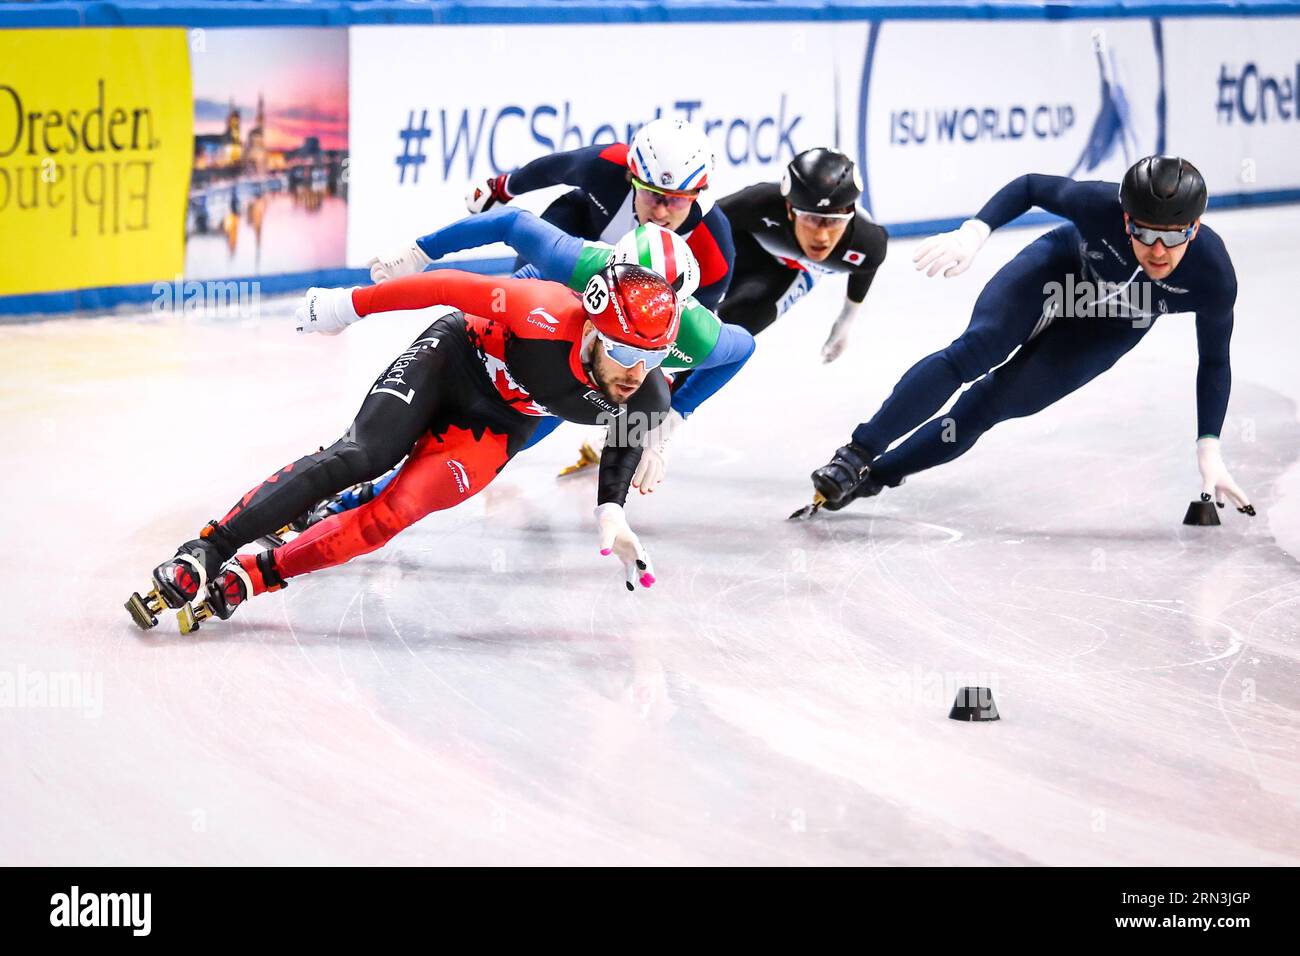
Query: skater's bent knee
{"type": "Point", "coordinates": [975, 353]}
{"type": "Point", "coordinates": [384, 517]}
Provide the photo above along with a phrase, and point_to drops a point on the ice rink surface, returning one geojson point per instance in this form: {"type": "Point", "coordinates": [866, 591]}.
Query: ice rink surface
{"type": "Point", "coordinates": [485, 691]}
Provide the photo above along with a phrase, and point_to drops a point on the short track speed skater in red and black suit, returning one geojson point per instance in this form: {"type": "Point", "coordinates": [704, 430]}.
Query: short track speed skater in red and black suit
{"type": "Point", "coordinates": [458, 404]}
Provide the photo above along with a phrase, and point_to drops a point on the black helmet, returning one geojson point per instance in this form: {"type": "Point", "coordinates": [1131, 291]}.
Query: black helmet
{"type": "Point", "coordinates": [1163, 191]}
{"type": "Point", "coordinates": [821, 180]}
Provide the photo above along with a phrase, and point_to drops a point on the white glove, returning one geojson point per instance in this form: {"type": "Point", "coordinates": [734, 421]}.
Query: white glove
{"type": "Point", "coordinates": [484, 194]}
{"type": "Point", "coordinates": [839, 337]}
{"type": "Point", "coordinates": [328, 311]}
{"type": "Point", "coordinates": [951, 252]}
{"type": "Point", "coordinates": [654, 459]}
{"type": "Point", "coordinates": [406, 261]}
{"type": "Point", "coordinates": [1215, 480]}
{"type": "Point", "coordinates": [618, 539]}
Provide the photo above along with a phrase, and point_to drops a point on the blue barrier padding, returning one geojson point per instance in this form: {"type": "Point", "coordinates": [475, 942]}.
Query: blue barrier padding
{"type": "Point", "coordinates": [320, 13]}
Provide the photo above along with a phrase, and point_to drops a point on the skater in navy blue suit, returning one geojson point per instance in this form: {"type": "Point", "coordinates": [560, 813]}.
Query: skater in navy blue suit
{"type": "Point", "coordinates": [1068, 306]}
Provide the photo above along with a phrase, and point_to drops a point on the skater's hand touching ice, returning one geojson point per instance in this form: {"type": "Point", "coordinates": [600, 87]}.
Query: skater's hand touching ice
{"type": "Point", "coordinates": [951, 252]}
{"type": "Point", "coordinates": [617, 538]}
{"type": "Point", "coordinates": [838, 340]}
{"type": "Point", "coordinates": [653, 466]}
{"type": "Point", "coordinates": [1215, 480]}
{"type": "Point", "coordinates": [328, 311]}
{"type": "Point", "coordinates": [406, 261]}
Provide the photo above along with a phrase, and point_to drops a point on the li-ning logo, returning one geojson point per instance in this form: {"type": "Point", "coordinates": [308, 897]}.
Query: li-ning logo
{"type": "Point", "coordinates": [102, 909]}
{"type": "Point", "coordinates": [460, 475]}
{"type": "Point", "coordinates": [543, 320]}
{"type": "Point", "coordinates": [397, 371]}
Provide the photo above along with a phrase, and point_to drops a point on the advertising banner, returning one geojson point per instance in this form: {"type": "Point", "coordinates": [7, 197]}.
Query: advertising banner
{"type": "Point", "coordinates": [1234, 104]}
{"type": "Point", "coordinates": [95, 134]}
{"type": "Point", "coordinates": [1077, 98]}
{"type": "Point", "coordinates": [435, 108]}
{"type": "Point", "coordinates": [270, 152]}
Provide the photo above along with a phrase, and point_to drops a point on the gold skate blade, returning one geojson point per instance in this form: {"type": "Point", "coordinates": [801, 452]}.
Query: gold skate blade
{"type": "Point", "coordinates": [586, 458]}
{"type": "Point", "coordinates": [139, 611]}
{"type": "Point", "coordinates": [807, 511]}
{"type": "Point", "coordinates": [189, 617]}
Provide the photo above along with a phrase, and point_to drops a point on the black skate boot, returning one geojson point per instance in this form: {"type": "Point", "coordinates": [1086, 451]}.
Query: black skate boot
{"type": "Point", "coordinates": [243, 577]}
{"type": "Point", "coordinates": [180, 579]}
{"type": "Point", "coordinates": [837, 479]}
{"type": "Point", "coordinates": [868, 487]}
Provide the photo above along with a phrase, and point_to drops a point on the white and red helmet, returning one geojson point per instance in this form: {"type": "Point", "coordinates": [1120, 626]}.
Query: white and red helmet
{"type": "Point", "coordinates": [672, 155]}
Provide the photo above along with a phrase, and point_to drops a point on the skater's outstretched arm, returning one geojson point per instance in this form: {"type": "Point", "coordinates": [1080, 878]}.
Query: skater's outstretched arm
{"type": "Point", "coordinates": [873, 241]}
{"type": "Point", "coordinates": [951, 253]}
{"type": "Point", "coordinates": [571, 168]}
{"type": "Point", "coordinates": [330, 311]}
{"type": "Point", "coordinates": [1213, 385]}
{"type": "Point", "coordinates": [1059, 195]}
{"type": "Point", "coordinates": [552, 251]}
{"type": "Point", "coordinates": [475, 294]}
{"type": "Point", "coordinates": [733, 349]}
{"type": "Point", "coordinates": [1213, 370]}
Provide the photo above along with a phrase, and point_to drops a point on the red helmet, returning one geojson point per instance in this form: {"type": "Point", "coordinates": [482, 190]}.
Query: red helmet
{"type": "Point", "coordinates": [632, 305]}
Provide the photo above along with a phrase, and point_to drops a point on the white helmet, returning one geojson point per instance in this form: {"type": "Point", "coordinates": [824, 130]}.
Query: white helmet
{"type": "Point", "coordinates": [664, 253]}
{"type": "Point", "coordinates": [672, 155]}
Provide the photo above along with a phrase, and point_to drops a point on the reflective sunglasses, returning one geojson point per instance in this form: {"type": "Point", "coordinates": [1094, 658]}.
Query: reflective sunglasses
{"type": "Point", "coordinates": [822, 220]}
{"type": "Point", "coordinates": [629, 355]}
{"type": "Point", "coordinates": [1170, 237]}
{"type": "Point", "coordinates": [670, 199]}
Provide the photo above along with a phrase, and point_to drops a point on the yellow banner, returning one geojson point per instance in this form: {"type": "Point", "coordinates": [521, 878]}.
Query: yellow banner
{"type": "Point", "coordinates": [96, 142]}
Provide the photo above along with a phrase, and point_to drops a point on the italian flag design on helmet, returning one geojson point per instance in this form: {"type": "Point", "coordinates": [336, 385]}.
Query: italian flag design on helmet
{"type": "Point", "coordinates": [664, 253]}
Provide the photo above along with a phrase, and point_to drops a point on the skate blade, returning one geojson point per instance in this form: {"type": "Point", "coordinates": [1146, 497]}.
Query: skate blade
{"type": "Point", "coordinates": [586, 458]}
{"type": "Point", "coordinates": [275, 539]}
{"type": "Point", "coordinates": [807, 511]}
{"type": "Point", "coordinates": [141, 611]}
{"type": "Point", "coordinates": [189, 617]}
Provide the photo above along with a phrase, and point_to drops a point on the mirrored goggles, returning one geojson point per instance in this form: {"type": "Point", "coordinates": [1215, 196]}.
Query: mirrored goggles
{"type": "Point", "coordinates": [1170, 237]}
{"type": "Point", "coordinates": [670, 199]}
{"type": "Point", "coordinates": [629, 355]}
{"type": "Point", "coordinates": [822, 220]}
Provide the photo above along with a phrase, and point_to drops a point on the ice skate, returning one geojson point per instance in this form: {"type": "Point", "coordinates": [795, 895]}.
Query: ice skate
{"type": "Point", "coordinates": [868, 487]}
{"type": "Point", "coordinates": [587, 456]}
{"type": "Point", "coordinates": [178, 580]}
{"type": "Point", "coordinates": [244, 576]}
{"type": "Point", "coordinates": [843, 473]}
